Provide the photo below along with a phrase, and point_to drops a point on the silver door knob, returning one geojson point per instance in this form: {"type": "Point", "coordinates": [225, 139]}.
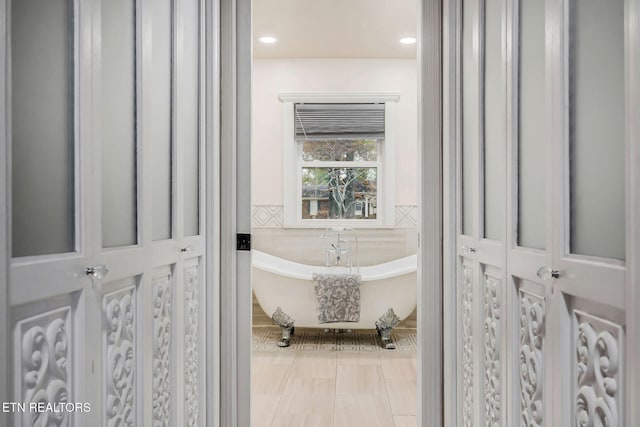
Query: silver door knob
{"type": "Point", "coordinates": [187, 249]}
{"type": "Point", "coordinates": [97, 271]}
{"type": "Point", "coordinates": [467, 250]}
{"type": "Point", "coordinates": [547, 273]}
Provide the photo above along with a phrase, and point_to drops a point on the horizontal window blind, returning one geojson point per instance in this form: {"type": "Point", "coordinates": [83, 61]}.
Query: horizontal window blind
{"type": "Point", "coordinates": [339, 121]}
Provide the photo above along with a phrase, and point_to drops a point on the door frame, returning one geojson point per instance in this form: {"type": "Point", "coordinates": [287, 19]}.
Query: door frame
{"type": "Point", "coordinates": [5, 248]}
{"type": "Point", "coordinates": [632, 67]}
{"type": "Point", "coordinates": [212, 276]}
{"type": "Point", "coordinates": [432, 315]}
{"type": "Point", "coordinates": [450, 129]}
{"type": "Point", "coordinates": [235, 208]}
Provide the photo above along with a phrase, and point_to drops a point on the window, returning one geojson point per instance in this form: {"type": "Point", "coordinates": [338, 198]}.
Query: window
{"type": "Point", "coordinates": [339, 178]}
{"type": "Point", "coordinates": [338, 161]}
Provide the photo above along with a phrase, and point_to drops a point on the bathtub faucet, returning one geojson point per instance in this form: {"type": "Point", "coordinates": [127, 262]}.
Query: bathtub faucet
{"type": "Point", "coordinates": [341, 248]}
{"type": "Point", "coordinates": [337, 249]}
{"type": "Point", "coordinates": [341, 252]}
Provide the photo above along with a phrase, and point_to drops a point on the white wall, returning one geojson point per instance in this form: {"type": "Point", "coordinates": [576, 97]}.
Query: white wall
{"type": "Point", "coordinates": [274, 76]}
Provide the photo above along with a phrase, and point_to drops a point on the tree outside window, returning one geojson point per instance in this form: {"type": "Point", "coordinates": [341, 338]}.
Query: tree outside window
{"type": "Point", "coordinates": [346, 188]}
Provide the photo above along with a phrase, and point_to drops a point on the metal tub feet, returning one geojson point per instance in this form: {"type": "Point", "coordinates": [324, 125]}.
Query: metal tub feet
{"type": "Point", "coordinates": [384, 326]}
{"type": "Point", "coordinates": [285, 322]}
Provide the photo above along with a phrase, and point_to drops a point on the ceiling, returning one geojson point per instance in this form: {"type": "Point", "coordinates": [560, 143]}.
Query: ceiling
{"type": "Point", "coordinates": [334, 28]}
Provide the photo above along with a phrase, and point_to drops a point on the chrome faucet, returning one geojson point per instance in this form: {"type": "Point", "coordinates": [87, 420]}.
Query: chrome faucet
{"type": "Point", "coordinates": [341, 248]}
{"type": "Point", "coordinates": [338, 250]}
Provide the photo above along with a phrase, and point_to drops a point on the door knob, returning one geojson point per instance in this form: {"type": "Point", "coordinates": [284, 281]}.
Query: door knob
{"type": "Point", "coordinates": [97, 271]}
{"type": "Point", "coordinates": [467, 250]}
{"type": "Point", "coordinates": [187, 249]}
{"type": "Point", "coordinates": [547, 273]}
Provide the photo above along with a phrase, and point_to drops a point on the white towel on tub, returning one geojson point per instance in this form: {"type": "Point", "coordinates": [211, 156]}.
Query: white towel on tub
{"type": "Point", "coordinates": [338, 297]}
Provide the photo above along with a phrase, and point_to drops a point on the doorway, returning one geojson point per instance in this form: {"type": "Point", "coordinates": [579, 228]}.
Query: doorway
{"type": "Point", "coordinates": [334, 193]}
{"type": "Point", "coordinates": [236, 42]}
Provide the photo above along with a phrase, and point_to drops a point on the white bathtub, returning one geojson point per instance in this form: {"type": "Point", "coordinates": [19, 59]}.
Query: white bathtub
{"type": "Point", "coordinates": [286, 284]}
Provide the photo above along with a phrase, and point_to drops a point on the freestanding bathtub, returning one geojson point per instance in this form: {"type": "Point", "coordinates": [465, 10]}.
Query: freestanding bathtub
{"type": "Point", "coordinates": [285, 291]}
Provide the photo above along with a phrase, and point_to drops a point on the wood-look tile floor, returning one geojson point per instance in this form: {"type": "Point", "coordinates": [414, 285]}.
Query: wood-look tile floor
{"type": "Point", "coordinates": [333, 389]}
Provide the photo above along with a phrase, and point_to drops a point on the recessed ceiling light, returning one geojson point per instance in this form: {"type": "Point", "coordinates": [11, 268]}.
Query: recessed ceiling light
{"type": "Point", "coordinates": [268, 39]}
{"type": "Point", "coordinates": [408, 40]}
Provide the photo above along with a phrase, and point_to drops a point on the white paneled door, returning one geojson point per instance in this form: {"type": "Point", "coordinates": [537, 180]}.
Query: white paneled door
{"type": "Point", "coordinates": [544, 123]}
{"type": "Point", "coordinates": [103, 106]}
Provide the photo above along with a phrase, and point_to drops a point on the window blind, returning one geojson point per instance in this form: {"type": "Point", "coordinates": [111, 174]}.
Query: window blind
{"type": "Point", "coordinates": [339, 121]}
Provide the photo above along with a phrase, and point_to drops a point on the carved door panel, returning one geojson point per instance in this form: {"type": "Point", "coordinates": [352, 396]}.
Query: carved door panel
{"type": "Point", "coordinates": [151, 221]}
{"type": "Point", "coordinates": [491, 249]}
{"type": "Point", "coordinates": [545, 111]}
{"type": "Point", "coordinates": [529, 218]}
{"type": "Point", "coordinates": [108, 232]}
{"type": "Point", "coordinates": [482, 218]}
{"type": "Point", "coordinates": [51, 211]}
{"type": "Point", "coordinates": [588, 270]}
{"type": "Point", "coordinates": [467, 216]}
{"type": "Point", "coordinates": [566, 263]}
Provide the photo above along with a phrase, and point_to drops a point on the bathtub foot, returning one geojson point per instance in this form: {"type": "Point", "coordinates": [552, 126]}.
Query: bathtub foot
{"type": "Point", "coordinates": [285, 322]}
{"type": "Point", "coordinates": [285, 341]}
{"type": "Point", "coordinates": [385, 325]}
{"type": "Point", "coordinates": [387, 342]}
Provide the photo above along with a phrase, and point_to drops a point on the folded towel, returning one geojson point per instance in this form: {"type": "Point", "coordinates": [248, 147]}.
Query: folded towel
{"type": "Point", "coordinates": [338, 297]}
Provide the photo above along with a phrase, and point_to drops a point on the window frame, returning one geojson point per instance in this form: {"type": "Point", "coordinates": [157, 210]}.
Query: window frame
{"type": "Point", "coordinates": [293, 163]}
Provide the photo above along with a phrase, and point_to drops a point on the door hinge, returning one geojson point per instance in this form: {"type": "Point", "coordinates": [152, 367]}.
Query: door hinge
{"type": "Point", "coordinates": [243, 242]}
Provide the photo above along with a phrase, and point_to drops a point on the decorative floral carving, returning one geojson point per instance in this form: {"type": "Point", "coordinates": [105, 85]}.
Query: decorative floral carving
{"type": "Point", "coordinates": [467, 346]}
{"type": "Point", "coordinates": [120, 357]}
{"type": "Point", "coordinates": [491, 350]}
{"type": "Point", "coordinates": [532, 322]}
{"type": "Point", "coordinates": [388, 320]}
{"type": "Point", "coordinates": [161, 351]}
{"type": "Point", "coordinates": [598, 363]}
{"type": "Point", "coordinates": [191, 334]}
{"type": "Point", "coordinates": [282, 319]}
{"type": "Point", "coordinates": [45, 363]}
